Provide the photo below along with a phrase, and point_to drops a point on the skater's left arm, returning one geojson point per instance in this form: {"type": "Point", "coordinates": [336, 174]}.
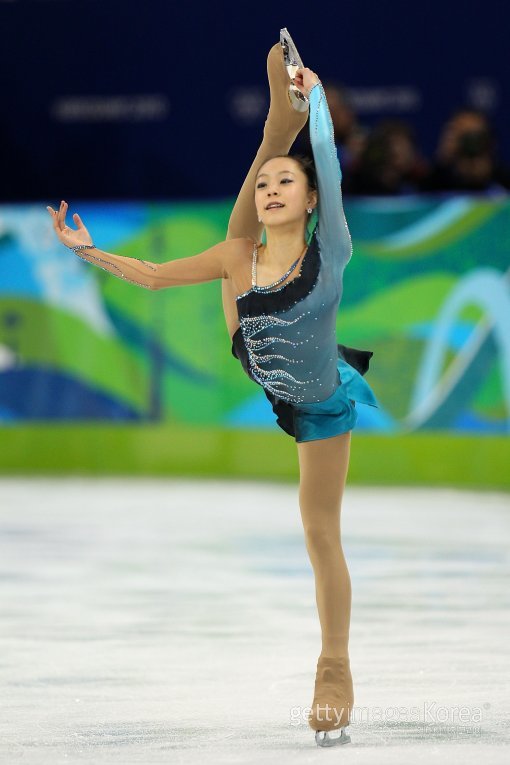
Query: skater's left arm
{"type": "Point", "coordinates": [217, 262]}
{"type": "Point", "coordinates": [213, 263]}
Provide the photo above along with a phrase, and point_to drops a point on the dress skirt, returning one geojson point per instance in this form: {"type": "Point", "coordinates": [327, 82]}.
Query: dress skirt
{"type": "Point", "coordinates": [322, 419]}
{"type": "Point", "coordinates": [337, 414]}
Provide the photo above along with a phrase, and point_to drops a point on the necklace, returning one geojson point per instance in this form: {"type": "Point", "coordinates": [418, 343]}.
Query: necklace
{"type": "Point", "coordinates": [267, 287]}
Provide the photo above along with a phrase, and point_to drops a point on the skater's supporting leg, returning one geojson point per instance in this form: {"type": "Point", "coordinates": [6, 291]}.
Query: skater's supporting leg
{"type": "Point", "coordinates": [323, 471]}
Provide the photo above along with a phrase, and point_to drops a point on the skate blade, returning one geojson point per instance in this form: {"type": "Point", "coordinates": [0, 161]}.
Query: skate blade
{"type": "Point", "coordinates": [293, 62]}
{"type": "Point", "coordinates": [327, 740]}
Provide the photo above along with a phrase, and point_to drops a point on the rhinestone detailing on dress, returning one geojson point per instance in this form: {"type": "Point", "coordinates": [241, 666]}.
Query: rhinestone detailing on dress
{"type": "Point", "coordinates": [277, 381]}
{"type": "Point", "coordinates": [122, 275]}
{"type": "Point", "coordinates": [267, 287]}
{"type": "Point", "coordinates": [281, 321]}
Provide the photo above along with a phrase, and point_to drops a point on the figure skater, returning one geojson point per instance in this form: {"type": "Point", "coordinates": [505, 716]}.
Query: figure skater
{"type": "Point", "coordinates": [280, 301]}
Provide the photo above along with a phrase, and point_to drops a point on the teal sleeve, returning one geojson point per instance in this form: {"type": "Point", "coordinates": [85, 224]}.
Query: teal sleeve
{"type": "Point", "coordinates": [333, 232]}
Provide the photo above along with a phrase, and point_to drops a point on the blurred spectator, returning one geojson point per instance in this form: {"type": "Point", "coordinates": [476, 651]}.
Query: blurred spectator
{"type": "Point", "coordinates": [466, 156]}
{"type": "Point", "coordinates": [390, 162]}
{"type": "Point", "coordinates": [349, 135]}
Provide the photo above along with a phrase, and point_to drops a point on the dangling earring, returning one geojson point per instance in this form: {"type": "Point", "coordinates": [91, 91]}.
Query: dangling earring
{"type": "Point", "coordinates": [309, 210]}
{"type": "Point", "coordinates": [260, 220]}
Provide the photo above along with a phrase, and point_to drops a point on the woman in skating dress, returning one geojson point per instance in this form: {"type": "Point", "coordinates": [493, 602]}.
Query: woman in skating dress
{"type": "Point", "coordinates": [280, 301]}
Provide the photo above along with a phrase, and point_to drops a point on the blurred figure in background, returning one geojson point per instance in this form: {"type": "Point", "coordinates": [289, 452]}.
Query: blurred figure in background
{"type": "Point", "coordinates": [349, 135]}
{"type": "Point", "coordinates": [390, 162]}
{"type": "Point", "coordinates": [466, 156]}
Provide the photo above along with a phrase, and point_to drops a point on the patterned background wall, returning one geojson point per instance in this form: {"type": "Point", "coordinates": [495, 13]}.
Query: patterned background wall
{"type": "Point", "coordinates": [427, 290]}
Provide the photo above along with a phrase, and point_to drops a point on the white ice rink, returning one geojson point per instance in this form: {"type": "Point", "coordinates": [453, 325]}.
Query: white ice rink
{"type": "Point", "coordinates": [161, 621]}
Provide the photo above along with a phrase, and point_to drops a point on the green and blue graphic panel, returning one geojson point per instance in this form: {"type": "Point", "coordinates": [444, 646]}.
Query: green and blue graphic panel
{"type": "Point", "coordinates": [427, 290]}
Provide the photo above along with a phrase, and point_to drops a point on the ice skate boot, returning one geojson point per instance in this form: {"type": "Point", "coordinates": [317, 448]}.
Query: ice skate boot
{"type": "Point", "coordinates": [293, 62]}
{"type": "Point", "coordinates": [333, 701]}
{"type": "Point", "coordinates": [284, 120]}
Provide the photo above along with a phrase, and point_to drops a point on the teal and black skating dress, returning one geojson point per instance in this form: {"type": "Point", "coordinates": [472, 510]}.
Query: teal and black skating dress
{"type": "Point", "coordinates": [286, 341]}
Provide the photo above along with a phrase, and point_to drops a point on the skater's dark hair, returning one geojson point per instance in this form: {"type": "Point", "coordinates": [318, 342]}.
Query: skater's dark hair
{"type": "Point", "coordinates": [305, 163]}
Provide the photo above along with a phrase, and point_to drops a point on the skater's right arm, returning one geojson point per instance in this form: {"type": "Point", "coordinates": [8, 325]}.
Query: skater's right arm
{"type": "Point", "coordinates": [217, 262]}
{"type": "Point", "coordinates": [333, 230]}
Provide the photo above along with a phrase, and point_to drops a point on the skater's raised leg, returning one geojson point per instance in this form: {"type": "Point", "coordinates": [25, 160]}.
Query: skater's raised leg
{"type": "Point", "coordinates": [281, 128]}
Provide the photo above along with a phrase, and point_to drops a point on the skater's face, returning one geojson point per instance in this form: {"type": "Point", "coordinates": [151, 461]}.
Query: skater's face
{"type": "Point", "coordinates": [282, 183]}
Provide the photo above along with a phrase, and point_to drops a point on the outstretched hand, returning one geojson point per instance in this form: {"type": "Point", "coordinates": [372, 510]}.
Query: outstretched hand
{"type": "Point", "coordinates": [69, 236]}
{"type": "Point", "coordinates": [305, 79]}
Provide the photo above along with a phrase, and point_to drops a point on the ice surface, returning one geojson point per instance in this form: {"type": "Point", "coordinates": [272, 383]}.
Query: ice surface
{"type": "Point", "coordinates": [163, 621]}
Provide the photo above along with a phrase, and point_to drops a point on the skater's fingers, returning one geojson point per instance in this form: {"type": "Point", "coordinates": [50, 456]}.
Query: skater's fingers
{"type": "Point", "coordinates": [61, 216]}
{"type": "Point", "coordinates": [63, 211]}
{"type": "Point", "coordinates": [56, 222]}
{"type": "Point", "coordinates": [53, 214]}
{"type": "Point", "coordinates": [78, 221]}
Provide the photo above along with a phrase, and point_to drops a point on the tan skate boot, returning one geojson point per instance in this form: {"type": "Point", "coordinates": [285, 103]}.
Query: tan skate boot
{"type": "Point", "coordinates": [333, 700]}
{"type": "Point", "coordinates": [283, 121]}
